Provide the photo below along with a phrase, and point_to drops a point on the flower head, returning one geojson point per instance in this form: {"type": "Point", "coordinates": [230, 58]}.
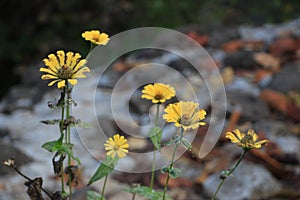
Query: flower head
{"type": "Point", "coordinates": [158, 92]}
{"type": "Point", "coordinates": [116, 145]}
{"type": "Point", "coordinates": [96, 37]}
{"type": "Point", "coordinates": [9, 162]}
{"type": "Point", "coordinates": [64, 67]}
{"type": "Point", "coordinates": [247, 141]}
{"type": "Point", "coordinates": [185, 114]}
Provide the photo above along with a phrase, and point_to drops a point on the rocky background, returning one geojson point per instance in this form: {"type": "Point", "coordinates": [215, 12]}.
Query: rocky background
{"type": "Point", "coordinates": [260, 66]}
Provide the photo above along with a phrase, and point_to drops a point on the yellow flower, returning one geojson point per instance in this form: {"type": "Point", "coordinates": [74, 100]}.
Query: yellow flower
{"type": "Point", "coordinates": [96, 37]}
{"type": "Point", "coordinates": [116, 146]}
{"type": "Point", "coordinates": [158, 92]}
{"type": "Point", "coordinates": [64, 67]}
{"type": "Point", "coordinates": [247, 141]}
{"type": "Point", "coordinates": [185, 114]}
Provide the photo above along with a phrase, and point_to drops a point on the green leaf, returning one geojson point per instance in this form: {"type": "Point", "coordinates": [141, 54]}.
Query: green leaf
{"type": "Point", "coordinates": [177, 139]}
{"type": "Point", "coordinates": [50, 122]}
{"type": "Point", "coordinates": [155, 136]}
{"type": "Point", "coordinates": [53, 146]}
{"type": "Point", "coordinates": [186, 144]}
{"type": "Point", "coordinates": [165, 170]}
{"type": "Point", "coordinates": [174, 172]}
{"type": "Point", "coordinates": [103, 170]}
{"type": "Point", "coordinates": [92, 195]}
{"type": "Point", "coordinates": [67, 149]}
{"type": "Point", "coordinates": [58, 146]}
{"type": "Point", "coordinates": [148, 192]}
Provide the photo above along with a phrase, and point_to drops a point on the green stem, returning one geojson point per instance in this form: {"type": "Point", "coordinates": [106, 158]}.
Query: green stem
{"type": "Point", "coordinates": [154, 152]}
{"type": "Point", "coordinates": [133, 196]}
{"type": "Point", "coordinates": [68, 135]}
{"type": "Point", "coordinates": [153, 169]}
{"type": "Point", "coordinates": [157, 114]}
{"type": "Point", "coordinates": [227, 174]}
{"type": "Point", "coordinates": [172, 163]}
{"type": "Point", "coordinates": [103, 188]}
{"type": "Point", "coordinates": [62, 132]}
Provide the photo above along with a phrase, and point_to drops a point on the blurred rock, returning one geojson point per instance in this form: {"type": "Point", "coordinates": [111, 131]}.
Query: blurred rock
{"type": "Point", "coordinates": [284, 47]}
{"type": "Point", "coordinates": [280, 134]}
{"type": "Point", "coordinates": [267, 61]}
{"type": "Point", "coordinates": [275, 100]}
{"type": "Point", "coordinates": [287, 79]}
{"type": "Point", "coordinates": [233, 45]}
{"type": "Point", "coordinates": [242, 60]}
{"type": "Point", "coordinates": [252, 108]}
{"type": "Point", "coordinates": [248, 181]}
{"type": "Point", "coordinates": [221, 34]}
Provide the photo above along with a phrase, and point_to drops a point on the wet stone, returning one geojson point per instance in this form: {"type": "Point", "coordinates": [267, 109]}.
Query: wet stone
{"type": "Point", "coordinates": [287, 79]}
{"type": "Point", "coordinates": [263, 184]}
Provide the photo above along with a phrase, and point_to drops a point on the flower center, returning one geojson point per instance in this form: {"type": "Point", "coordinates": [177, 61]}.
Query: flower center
{"type": "Point", "coordinates": [96, 39]}
{"type": "Point", "coordinates": [158, 96]}
{"type": "Point", "coordinates": [185, 120]}
{"type": "Point", "coordinates": [64, 72]}
{"type": "Point", "coordinates": [248, 140]}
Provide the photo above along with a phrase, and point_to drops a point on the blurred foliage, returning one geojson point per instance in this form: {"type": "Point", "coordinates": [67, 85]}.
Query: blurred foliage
{"type": "Point", "coordinates": [30, 30]}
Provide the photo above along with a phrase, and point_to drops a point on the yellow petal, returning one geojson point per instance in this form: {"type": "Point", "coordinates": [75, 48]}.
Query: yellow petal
{"type": "Point", "coordinates": [108, 148]}
{"type": "Point", "coordinates": [233, 138]}
{"type": "Point", "coordinates": [238, 134]}
{"type": "Point", "coordinates": [53, 60]}
{"type": "Point", "coordinates": [61, 57]}
{"type": "Point", "coordinates": [48, 76]}
{"type": "Point", "coordinates": [69, 58]}
{"type": "Point", "coordinates": [253, 135]}
{"type": "Point", "coordinates": [260, 143]}
{"type": "Point", "coordinates": [80, 73]}
{"type": "Point", "coordinates": [202, 123]}
{"type": "Point", "coordinates": [124, 146]}
{"type": "Point", "coordinates": [50, 64]}
{"type": "Point", "coordinates": [121, 154]}
{"type": "Point", "coordinates": [110, 153]}
{"type": "Point", "coordinates": [52, 82]}
{"type": "Point", "coordinates": [74, 60]}
{"type": "Point", "coordinates": [49, 71]}
{"type": "Point", "coordinates": [72, 81]}
{"type": "Point", "coordinates": [61, 84]}
{"type": "Point", "coordinates": [202, 114]}
{"type": "Point", "coordinates": [79, 64]}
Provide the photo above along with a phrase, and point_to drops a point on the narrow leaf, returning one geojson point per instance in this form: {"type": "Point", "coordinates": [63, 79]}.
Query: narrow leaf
{"type": "Point", "coordinates": [53, 146]}
{"type": "Point", "coordinates": [103, 170]}
{"type": "Point", "coordinates": [155, 136]}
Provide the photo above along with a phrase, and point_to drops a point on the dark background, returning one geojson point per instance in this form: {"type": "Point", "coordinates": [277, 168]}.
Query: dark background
{"type": "Point", "coordinates": [30, 30]}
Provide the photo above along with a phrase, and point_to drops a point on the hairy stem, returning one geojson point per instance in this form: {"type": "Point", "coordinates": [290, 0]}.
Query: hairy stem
{"type": "Point", "coordinates": [68, 135]}
{"type": "Point", "coordinates": [223, 177]}
{"type": "Point", "coordinates": [103, 188]}
{"type": "Point", "coordinates": [154, 152]}
{"type": "Point", "coordinates": [172, 163]}
{"type": "Point", "coordinates": [62, 132]}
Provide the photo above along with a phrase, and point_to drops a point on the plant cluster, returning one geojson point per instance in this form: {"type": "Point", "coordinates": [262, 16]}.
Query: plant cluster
{"type": "Point", "coordinates": [63, 69]}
